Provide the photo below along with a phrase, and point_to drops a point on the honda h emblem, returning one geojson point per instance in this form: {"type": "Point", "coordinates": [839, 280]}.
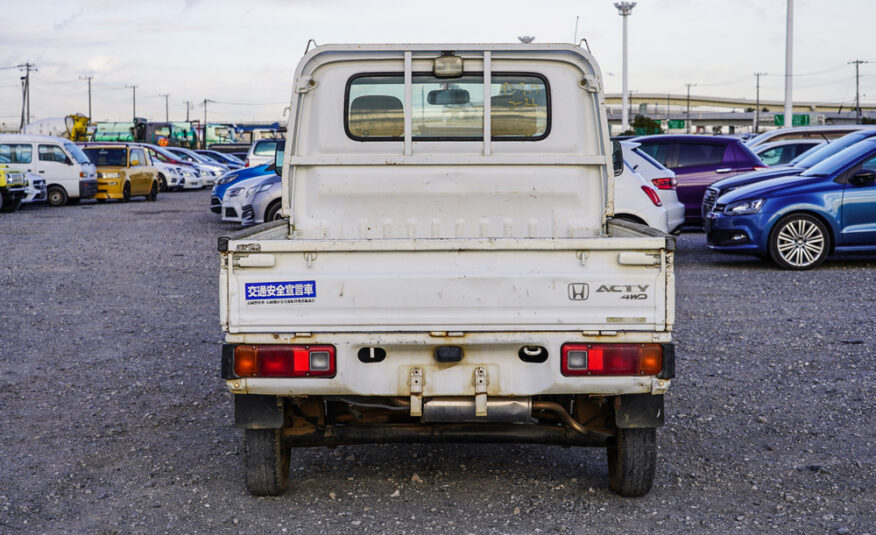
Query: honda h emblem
{"type": "Point", "coordinates": [579, 291]}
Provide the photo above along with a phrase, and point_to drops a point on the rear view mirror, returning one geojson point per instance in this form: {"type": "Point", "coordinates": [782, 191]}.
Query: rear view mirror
{"type": "Point", "coordinates": [863, 178]}
{"type": "Point", "coordinates": [444, 97]}
{"type": "Point", "coordinates": [278, 157]}
{"type": "Point", "coordinates": [617, 157]}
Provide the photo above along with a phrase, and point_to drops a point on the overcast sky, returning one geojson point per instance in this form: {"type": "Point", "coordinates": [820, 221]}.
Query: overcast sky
{"type": "Point", "coordinates": [242, 54]}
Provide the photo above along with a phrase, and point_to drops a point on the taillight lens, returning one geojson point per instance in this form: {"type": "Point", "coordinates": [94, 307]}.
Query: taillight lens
{"type": "Point", "coordinates": [611, 359]}
{"type": "Point", "coordinates": [652, 194]}
{"type": "Point", "coordinates": [284, 361]}
{"type": "Point", "coordinates": [665, 183]}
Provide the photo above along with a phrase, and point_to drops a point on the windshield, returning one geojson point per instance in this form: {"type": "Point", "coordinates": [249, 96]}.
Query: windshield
{"type": "Point", "coordinates": [840, 160]}
{"type": "Point", "coordinates": [107, 157]}
{"type": "Point", "coordinates": [76, 153]}
{"type": "Point", "coordinates": [265, 148]}
{"type": "Point", "coordinates": [808, 159]}
{"type": "Point", "coordinates": [180, 155]}
{"type": "Point", "coordinates": [210, 157]}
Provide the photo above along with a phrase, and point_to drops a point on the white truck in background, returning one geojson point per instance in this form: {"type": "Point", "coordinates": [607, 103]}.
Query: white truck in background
{"type": "Point", "coordinates": [447, 269]}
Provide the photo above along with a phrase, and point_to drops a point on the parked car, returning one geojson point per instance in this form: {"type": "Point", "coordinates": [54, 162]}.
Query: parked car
{"type": "Point", "coordinates": [240, 195]}
{"type": "Point", "coordinates": [797, 221]}
{"type": "Point", "coordinates": [795, 167]}
{"type": "Point", "coordinates": [13, 184]}
{"type": "Point", "coordinates": [782, 152]}
{"type": "Point", "coordinates": [823, 132]}
{"type": "Point", "coordinates": [69, 174]}
{"type": "Point", "coordinates": [265, 203]}
{"type": "Point", "coordinates": [36, 189]}
{"type": "Point", "coordinates": [261, 152]}
{"type": "Point", "coordinates": [661, 178]}
{"type": "Point", "coordinates": [229, 179]}
{"type": "Point", "coordinates": [697, 162]}
{"type": "Point", "coordinates": [173, 174]}
{"type": "Point", "coordinates": [229, 161]}
{"type": "Point", "coordinates": [124, 171]}
{"type": "Point", "coordinates": [209, 170]}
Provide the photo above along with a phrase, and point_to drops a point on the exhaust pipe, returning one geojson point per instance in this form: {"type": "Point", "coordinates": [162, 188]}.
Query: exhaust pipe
{"type": "Point", "coordinates": [462, 409]}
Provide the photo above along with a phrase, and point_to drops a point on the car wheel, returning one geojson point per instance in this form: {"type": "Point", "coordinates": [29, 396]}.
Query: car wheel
{"type": "Point", "coordinates": [126, 192]}
{"type": "Point", "coordinates": [162, 187]}
{"type": "Point", "coordinates": [799, 241]}
{"type": "Point", "coordinates": [266, 461]}
{"type": "Point", "coordinates": [153, 193]}
{"type": "Point", "coordinates": [7, 204]}
{"type": "Point", "coordinates": [632, 457]}
{"type": "Point", "coordinates": [56, 196]}
{"type": "Point", "coordinates": [273, 212]}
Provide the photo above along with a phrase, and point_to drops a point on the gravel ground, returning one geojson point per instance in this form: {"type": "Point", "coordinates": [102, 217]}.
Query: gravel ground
{"type": "Point", "coordinates": [114, 419]}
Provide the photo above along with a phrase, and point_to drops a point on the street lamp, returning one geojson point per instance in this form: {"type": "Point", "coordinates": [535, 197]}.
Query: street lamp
{"type": "Point", "coordinates": [687, 118]}
{"type": "Point", "coordinates": [624, 9]}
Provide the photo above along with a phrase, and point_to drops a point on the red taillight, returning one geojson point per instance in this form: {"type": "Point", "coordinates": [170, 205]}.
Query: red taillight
{"type": "Point", "coordinates": [652, 194]}
{"type": "Point", "coordinates": [665, 183]}
{"type": "Point", "coordinates": [611, 359]}
{"type": "Point", "coordinates": [284, 361]}
{"type": "Point", "coordinates": [81, 174]}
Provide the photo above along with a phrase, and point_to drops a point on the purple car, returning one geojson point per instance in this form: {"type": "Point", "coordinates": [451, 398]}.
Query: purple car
{"type": "Point", "coordinates": [698, 161]}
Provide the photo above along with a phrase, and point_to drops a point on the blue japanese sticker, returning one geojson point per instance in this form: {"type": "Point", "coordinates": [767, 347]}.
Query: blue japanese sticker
{"type": "Point", "coordinates": [280, 292]}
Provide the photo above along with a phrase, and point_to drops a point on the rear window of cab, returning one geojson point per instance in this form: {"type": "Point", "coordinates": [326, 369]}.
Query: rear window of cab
{"type": "Point", "coordinates": [447, 109]}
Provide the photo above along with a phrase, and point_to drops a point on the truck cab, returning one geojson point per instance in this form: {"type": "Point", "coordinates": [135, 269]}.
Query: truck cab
{"type": "Point", "coordinates": [446, 268]}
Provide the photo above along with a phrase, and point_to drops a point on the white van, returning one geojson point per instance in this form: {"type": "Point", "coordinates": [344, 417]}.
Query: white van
{"type": "Point", "coordinates": [68, 172]}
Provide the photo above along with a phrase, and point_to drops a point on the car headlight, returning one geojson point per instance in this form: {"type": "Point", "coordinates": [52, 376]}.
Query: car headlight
{"type": "Point", "coordinates": [264, 187]}
{"type": "Point", "coordinates": [234, 192]}
{"type": "Point", "coordinates": [744, 207]}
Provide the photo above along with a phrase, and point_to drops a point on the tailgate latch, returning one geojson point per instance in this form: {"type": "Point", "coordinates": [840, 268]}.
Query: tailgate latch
{"type": "Point", "coordinates": [480, 384]}
{"type": "Point", "coordinates": [416, 392]}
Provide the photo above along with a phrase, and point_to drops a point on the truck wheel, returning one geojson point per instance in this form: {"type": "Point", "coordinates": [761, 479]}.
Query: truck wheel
{"type": "Point", "coordinates": [126, 192]}
{"type": "Point", "coordinates": [266, 461]}
{"type": "Point", "coordinates": [799, 241]}
{"type": "Point", "coordinates": [632, 457]}
{"type": "Point", "coordinates": [153, 193]}
{"type": "Point", "coordinates": [56, 196]}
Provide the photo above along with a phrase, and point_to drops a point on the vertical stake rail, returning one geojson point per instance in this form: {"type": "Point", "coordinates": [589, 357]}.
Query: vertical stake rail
{"type": "Point", "coordinates": [488, 103]}
{"type": "Point", "coordinates": [408, 103]}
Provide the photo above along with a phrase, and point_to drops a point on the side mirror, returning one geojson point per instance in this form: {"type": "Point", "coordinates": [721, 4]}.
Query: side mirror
{"type": "Point", "coordinates": [617, 157]}
{"type": "Point", "coordinates": [278, 157]}
{"type": "Point", "coordinates": [863, 178]}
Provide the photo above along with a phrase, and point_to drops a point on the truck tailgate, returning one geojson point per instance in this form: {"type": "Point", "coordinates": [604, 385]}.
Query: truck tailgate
{"type": "Point", "coordinates": [289, 286]}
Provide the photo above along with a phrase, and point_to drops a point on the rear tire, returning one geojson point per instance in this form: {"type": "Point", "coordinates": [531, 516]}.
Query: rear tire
{"type": "Point", "coordinates": [56, 196]}
{"type": "Point", "coordinates": [126, 192]}
{"type": "Point", "coordinates": [153, 193]}
{"type": "Point", "coordinates": [632, 458]}
{"type": "Point", "coordinates": [8, 205]}
{"type": "Point", "coordinates": [266, 461]}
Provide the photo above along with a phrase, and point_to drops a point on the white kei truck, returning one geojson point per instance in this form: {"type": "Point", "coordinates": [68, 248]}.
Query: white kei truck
{"type": "Point", "coordinates": [447, 269]}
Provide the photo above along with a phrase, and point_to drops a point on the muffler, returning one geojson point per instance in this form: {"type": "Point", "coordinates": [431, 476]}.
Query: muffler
{"type": "Point", "coordinates": [462, 409]}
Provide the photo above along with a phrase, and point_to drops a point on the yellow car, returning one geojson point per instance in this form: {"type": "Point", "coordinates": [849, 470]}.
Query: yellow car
{"type": "Point", "coordinates": [12, 186]}
{"type": "Point", "coordinates": [123, 171]}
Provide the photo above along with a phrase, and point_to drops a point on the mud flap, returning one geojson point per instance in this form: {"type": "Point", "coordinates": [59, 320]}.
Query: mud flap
{"type": "Point", "coordinates": [635, 411]}
{"type": "Point", "coordinates": [257, 412]}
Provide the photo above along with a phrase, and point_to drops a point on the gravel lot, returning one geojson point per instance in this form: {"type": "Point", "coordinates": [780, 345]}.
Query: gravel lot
{"type": "Point", "coordinates": [115, 420]}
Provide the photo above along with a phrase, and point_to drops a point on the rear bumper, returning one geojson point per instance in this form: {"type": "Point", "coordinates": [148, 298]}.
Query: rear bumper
{"type": "Point", "coordinates": [87, 188]}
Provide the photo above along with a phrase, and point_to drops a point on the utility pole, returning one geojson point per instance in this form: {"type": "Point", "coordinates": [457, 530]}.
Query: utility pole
{"type": "Point", "coordinates": [25, 92]}
{"type": "Point", "coordinates": [188, 107]}
{"type": "Point", "coordinates": [687, 118]}
{"type": "Point", "coordinates": [789, 65]}
{"type": "Point", "coordinates": [204, 103]}
{"type": "Point", "coordinates": [134, 89]}
{"type": "Point", "coordinates": [624, 9]}
{"type": "Point", "coordinates": [88, 78]}
{"type": "Point", "coordinates": [857, 64]}
{"type": "Point", "coordinates": [757, 76]}
{"type": "Point", "coordinates": [166, 107]}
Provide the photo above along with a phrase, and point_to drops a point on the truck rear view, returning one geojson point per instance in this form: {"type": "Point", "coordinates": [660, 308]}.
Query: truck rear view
{"type": "Point", "coordinates": [448, 270]}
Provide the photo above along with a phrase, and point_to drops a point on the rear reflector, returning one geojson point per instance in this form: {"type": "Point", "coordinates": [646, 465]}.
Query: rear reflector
{"type": "Point", "coordinates": [652, 194]}
{"type": "Point", "coordinates": [611, 359]}
{"type": "Point", "coordinates": [284, 361]}
{"type": "Point", "coordinates": [665, 183]}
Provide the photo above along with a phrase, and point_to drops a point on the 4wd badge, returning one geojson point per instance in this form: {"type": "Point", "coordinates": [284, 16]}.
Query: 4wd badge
{"type": "Point", "coordinates": [579, 291]}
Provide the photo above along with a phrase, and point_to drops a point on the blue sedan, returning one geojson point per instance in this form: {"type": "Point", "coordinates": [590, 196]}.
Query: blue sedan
{"type": "Point", "coordinates": [798, 221]}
